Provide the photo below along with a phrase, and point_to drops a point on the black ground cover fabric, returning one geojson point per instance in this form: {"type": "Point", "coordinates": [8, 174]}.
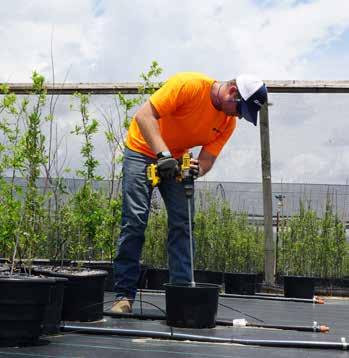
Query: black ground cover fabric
{"type": "Point", "coordinates": [334, 313]}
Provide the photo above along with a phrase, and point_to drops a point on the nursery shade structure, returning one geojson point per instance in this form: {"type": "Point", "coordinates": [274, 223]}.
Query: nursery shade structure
{"type": "Point", "coordinates": [334, 313]}
{"type": "Point", "coordinates": [273, 87]}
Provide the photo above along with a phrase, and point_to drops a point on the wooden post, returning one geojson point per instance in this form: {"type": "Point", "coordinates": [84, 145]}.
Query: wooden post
{"type": "Point", "coordinates": [269, 256]}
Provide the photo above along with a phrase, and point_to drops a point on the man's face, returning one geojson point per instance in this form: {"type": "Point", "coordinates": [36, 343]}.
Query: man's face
{"type": "Point", "coordinates": [230, 101]}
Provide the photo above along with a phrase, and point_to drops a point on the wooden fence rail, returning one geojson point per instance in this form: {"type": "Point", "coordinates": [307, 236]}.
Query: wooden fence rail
{"type": "Point", "coordinates": [132, 88]}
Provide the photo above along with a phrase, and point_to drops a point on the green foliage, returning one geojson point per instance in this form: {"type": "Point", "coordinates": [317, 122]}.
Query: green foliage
{"type": "Point", "coordinates": [90, 219]}
{"type": "Point", "coordinates": [10, 209]}
{"type": "Point", "coordinates": [22, 213]}
{"type": "Point", "coordinates": [314, 246]}
{"type": "Point", "coordinates": [225, 241]}
{"type": "Point", "coordinates": [34, 156]}
{"type": "Point", "coordinates": [155, 248]}
{"type": "Point", "coordinates": [147, 88]}
{"type": "Point", "coordinates": [87, 130]}
{"type": "Point", "coordinates": [108, 229]}
{"type": "Point", "coordinates": [90, 224]}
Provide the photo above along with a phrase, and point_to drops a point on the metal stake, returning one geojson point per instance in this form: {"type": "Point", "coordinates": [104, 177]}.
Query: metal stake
{"type": "Point", "coordinates": [191, 245]}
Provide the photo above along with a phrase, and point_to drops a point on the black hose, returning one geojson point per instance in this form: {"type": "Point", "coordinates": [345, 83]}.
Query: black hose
{"type": "Point", "coordinates": [220, 322]}
{"type": "Point", "coordinates": [207, 339]}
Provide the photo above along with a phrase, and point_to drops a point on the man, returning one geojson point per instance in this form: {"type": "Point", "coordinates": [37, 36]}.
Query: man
{"type": "Point", "coordinates": [189, 110]}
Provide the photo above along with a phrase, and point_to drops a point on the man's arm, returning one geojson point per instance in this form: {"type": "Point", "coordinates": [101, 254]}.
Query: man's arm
{"type": "Point", "coordinates": [147, 120]}
{"type": "Point", "coordinates": [206, 161]}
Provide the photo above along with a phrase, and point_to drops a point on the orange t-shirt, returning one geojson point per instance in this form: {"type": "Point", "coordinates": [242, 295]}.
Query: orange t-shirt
{"type": "Point", "coordinates": [187, 117]}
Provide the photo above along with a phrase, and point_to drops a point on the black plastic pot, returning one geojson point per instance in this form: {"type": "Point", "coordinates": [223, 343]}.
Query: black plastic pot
{"type": "Point", "coordinates": [142, 280]}
{"type": "Point", "coordinates": [22, 306]}
{"type": "Point", "coordinates": [203, 276]}
{"type": "Point", "coordinates": [191, 307]}
{"type": "Point", "coordinates": [104, 266]}
{"type": "Point", "coordinates": [240, 283]}
{"type": "Point", "coordinates": [83, 293]}
{"type": "Point", "coordinates": [156, 278]}
{"type": "Point", "coordinates": [53, 311]}
{"type": "Point", "coordinates": [4, 268]}
{"type": "Point", "coordinates": [299, 286]}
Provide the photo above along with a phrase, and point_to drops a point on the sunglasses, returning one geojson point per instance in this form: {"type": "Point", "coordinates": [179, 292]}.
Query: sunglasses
{"type": "Point", "coordinates": [238, 102]}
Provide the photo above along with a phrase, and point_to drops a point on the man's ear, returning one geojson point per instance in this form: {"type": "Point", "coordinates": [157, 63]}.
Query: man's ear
{"type": "Point", "coordinates": [232, 89]}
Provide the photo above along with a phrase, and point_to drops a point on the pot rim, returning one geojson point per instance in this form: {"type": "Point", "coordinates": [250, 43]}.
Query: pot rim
{"type": "Point", "coordinates": [198, 285]}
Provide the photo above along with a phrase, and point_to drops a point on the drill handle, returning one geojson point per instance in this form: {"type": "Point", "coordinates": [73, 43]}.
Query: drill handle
{"type": "Point", "coordinates": [152, 174]}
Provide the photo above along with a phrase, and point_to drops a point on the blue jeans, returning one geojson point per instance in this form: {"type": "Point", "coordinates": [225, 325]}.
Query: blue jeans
{"type": "Point", "coordinates": [136, 197]}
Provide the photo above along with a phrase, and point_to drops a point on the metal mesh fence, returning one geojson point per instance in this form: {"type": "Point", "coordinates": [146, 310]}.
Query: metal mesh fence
{"type": "Point", "coordinates": [244, 196]}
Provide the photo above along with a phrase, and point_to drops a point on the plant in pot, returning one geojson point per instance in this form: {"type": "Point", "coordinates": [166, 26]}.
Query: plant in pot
{"type": "Point", "coordinates": [24, 298]}
{"type": "Point", "coordinates": [243, 245]}
{"type": "Point", "coordinates": [82, 216]}
{"type": "Point", "coordinates": [209, 259]}
{"type": "Point", "coordinates": [319, 249]}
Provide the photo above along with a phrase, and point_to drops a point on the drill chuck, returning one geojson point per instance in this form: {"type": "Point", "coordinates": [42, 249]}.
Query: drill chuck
{"type": "Point", "coordinates": [188, 184]}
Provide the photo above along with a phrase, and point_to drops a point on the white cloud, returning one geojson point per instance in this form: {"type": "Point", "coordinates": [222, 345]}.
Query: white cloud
{"type": "Point", "coordinates": [26, 31]}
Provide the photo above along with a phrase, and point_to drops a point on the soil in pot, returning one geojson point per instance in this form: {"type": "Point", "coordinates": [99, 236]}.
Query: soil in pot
{"type": "Point", "coordinates": [83, 292]}
{"type": "Point", "coordinates": [191, 307]}
{"type": "Point", "coordinates": [299, 286]}
{"type": "Point", "coordinates": [23, 301]}
{"type": "Point", "coordinates": [240, 283]}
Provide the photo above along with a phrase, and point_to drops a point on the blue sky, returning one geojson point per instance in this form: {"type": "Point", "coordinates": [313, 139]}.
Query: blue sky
{"type": "Point", "coordinates": [114, 41]}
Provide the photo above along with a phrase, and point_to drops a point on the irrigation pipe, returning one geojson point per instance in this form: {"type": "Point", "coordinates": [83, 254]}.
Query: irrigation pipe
{"type": "Point", "coordinates": [342, 345]}
{"type": "Point", "coordinates": [315, 299]}
{"type": "Point", "coordinates": [235, 322]}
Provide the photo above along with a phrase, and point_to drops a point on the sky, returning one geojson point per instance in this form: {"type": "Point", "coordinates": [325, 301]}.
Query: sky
{"type": "Point", "coordinates": [114, 41]}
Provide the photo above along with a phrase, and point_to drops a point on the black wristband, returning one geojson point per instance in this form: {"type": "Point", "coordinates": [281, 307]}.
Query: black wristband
{"type": "Point", "coordinates": [164, 154]}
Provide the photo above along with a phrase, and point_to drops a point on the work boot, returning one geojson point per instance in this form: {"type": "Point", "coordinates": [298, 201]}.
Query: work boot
{"type": "Point", "coordinates": [122, 305]}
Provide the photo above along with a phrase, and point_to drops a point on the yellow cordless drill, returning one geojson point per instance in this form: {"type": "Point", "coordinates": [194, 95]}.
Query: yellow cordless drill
{"type": "Point", "coordinates": [184, 175]}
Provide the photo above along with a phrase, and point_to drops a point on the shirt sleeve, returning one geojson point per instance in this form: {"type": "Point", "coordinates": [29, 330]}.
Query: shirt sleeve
{"type": "Point", "coordinates": [174, 93]}
{"type": "Point", "coordinates": [216, 146]}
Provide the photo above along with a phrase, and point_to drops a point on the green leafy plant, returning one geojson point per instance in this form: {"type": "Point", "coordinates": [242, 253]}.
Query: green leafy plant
{"type": "Point", "coordinates": [314, 246]}
{"type": "Point", "coordinates": [225, 241]}
{"type": "Point", "coordinates": [84, 211]}
{"type": "Point", "coordinates": [21, 227]}
{"type": "Point", "coordinates": [155, 248]}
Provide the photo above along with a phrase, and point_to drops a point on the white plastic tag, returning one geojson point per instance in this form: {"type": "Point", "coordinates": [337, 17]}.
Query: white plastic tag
{"type": "Point", "coordinates": [239, 322]}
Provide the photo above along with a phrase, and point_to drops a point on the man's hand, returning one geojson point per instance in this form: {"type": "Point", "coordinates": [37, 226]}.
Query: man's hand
{"type": "Point", "coordinates": [167, 168]}
{"type": "Point", "coordinates": [194, 168]}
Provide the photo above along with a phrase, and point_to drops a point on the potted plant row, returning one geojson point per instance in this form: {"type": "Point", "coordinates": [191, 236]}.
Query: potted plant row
{"type": "Point", "coordinates": [32, 299]}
